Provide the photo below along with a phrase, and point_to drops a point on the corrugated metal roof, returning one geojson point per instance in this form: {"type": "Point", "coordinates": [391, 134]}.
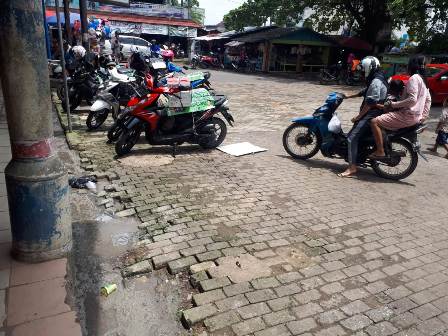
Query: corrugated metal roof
{"type": "Point", "coordinates": [233, 34]}
{"type": "Point", "coordinates": [305, 36]}
{"type": "Point", "coordinates": [264, 35]}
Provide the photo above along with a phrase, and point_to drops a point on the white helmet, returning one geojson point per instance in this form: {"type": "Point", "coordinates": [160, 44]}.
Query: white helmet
{"type": "Point", "coordinates": [369, 64]}
{"type": "Point", "coordinates": [79, 51]}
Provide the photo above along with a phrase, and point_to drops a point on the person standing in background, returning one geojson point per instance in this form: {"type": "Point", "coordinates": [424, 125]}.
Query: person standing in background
{"type": "Point", "coordinates": [115, 45]}
{"type": "Point", "coordinates": [442, 130]}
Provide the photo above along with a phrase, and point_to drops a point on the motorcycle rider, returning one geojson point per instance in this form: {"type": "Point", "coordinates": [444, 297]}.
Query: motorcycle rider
{"type": "Point", "coordinates": [375, 93]}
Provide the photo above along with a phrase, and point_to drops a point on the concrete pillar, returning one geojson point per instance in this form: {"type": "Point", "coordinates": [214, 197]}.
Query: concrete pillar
{"type": "Point", "coordinates": [36, 180]}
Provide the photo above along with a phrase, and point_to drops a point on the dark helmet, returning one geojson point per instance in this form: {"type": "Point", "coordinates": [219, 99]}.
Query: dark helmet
{"type": "Point", "coordinates": [137, 62]}
{"type": "Point", "coordinates": [106, 61]}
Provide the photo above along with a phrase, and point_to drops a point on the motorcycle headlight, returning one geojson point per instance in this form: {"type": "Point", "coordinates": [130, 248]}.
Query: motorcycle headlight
{"type": "Point", "coordinates": [225, 103]}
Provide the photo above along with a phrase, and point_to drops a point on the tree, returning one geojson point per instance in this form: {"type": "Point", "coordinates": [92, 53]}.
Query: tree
{"type": "Point", "coordinates": [369, 18]}
{"type": "Point", "coordinates": [372, 20]}
{"type": "Point", "coordinates": [185, 3]}
{"type": "Point", "coordinates": [257, 12]}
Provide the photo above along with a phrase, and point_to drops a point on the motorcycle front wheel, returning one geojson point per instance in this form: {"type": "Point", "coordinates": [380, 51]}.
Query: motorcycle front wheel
{"type": "Point", "coordinates": [128, 140]}
{"type": "Point", "coordinates": [219, 133]}
{"type": "Point", "coordinates": [402, 162]}
{"type": "Point", "coordinates": [60, 91]}
{"type": "Point", "coordinates": [301, 142]}
{"type": "Point", "coordinates": [324, 78]}
{"type": "Point", "coordinates": [75, 101]}
{"type": "Point", "coordinates": [96, 119]}
{"type": "Point", "coordinates": [114, 132]}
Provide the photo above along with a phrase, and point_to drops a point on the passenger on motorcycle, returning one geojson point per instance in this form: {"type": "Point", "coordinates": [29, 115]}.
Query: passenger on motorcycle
{"type": "Point", "coordinates": [375, 93]}
{"type": "Point", "coordinates": [413, 109]}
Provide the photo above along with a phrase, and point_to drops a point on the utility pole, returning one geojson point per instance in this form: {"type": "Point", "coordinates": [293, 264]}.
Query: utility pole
{"type": "Point", "coordinates": [64, 73]}
{"type": "Point", "coordinates": [68, 28]}
{"type": "Point", "coordinates": [84, 29]}
{"type": "Point", "coordinates": [36, 180]}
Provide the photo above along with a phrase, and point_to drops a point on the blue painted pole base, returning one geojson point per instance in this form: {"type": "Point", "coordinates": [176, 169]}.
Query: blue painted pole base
{"type": "Point", "coordinates": [39, 208]}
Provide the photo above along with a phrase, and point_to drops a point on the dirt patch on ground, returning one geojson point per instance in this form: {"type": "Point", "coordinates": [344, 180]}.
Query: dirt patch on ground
{"type": "Point", "coordinates": [294, 256]}
{"type": "Point", "coordinates": [146, 160]}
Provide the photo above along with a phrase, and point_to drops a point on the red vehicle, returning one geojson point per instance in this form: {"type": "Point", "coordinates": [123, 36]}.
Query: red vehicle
{"type": "Point", "coordinates": [437, 79]}
{"type": "Point", "coordinates": [203, 127]}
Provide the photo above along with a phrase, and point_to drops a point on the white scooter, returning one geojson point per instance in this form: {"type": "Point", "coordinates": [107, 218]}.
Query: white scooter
{"type": "Point", "coordinates": [108, 99]}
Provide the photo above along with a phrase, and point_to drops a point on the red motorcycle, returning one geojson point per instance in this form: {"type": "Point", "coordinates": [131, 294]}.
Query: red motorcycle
{"type": "Point", "coordinates": [162, 128]}
{"type": "Point", "coordinates": [205, 62]}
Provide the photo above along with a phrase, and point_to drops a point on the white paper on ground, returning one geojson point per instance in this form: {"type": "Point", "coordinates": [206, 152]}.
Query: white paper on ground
{"type": "Point", "coordinates": [241, 148]}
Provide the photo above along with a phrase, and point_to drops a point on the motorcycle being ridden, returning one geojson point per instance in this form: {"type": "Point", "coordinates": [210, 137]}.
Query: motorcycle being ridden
{"type": "Point", "coordinates": [322, 131]}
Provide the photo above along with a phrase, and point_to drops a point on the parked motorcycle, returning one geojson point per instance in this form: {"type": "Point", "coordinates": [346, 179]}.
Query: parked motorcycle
{"type": "Point", "coordinates": [205, 62]}
{"type": "Point", "coordinates": [197, 80]}
{"type": "Point", "coordinates": [243, 65]}
{"type": "Point", "coordinates": [355, 77]}
{"type": "Point", "coordinates": [332, 74]}
{"type": "Point", "coordinates": [83, 85]}
{"type": "Point", "coordinates": [307, 135]}
{"type": "Point", "coordinates": [109, 100]}
{"type": "Point", "coordinates": [162, 126]}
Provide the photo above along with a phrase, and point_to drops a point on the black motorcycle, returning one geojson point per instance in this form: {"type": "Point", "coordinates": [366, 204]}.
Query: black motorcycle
{"type": "Point", "coordinates": [333, 74]}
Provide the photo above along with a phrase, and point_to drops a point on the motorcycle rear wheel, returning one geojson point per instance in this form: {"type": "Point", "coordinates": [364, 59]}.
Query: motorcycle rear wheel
{"type": "Point", "coordinates": [96, 119]}
{"type": "Point", "coordinates": [128, 140]}
{"type": "Point", "coordinates": [404, 162]}
{"type": "Point", "coordinates": [299, 136]}
{"type": "Point", "coordinates": [219, 126]}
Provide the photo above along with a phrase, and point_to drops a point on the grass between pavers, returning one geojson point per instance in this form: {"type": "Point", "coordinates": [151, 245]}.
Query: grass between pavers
{"type": "Point", "coordinates": [73, 138]}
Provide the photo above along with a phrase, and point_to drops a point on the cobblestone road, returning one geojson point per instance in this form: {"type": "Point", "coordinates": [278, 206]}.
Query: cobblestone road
{"type": "Point", "coordinates": [280, 247]}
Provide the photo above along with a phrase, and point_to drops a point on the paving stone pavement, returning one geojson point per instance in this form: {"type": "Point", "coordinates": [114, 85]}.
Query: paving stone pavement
{"type": "Point", "coordinates": [280, 247]}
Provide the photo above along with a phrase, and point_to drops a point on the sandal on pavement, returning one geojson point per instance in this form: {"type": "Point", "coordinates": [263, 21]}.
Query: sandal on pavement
{"type": "Point", "coordinates": [343, 175]}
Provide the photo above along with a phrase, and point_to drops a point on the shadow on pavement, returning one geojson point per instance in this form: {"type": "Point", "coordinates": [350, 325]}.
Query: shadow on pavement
{"type": "Point", "coordinates": [364, 174]}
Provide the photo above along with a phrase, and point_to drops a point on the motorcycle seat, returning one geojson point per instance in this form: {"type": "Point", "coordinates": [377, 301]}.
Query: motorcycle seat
{"type": "Point", "coordinates": [219, 100]}
{"type": "Point", "coordinates": [124, 71]}
{"type": "Point", "coordinates": [405, 130]}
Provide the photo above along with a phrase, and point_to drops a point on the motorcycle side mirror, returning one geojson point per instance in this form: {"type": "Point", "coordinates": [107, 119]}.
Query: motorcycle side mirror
{"type": "Point", "coordinates": [185, 67]}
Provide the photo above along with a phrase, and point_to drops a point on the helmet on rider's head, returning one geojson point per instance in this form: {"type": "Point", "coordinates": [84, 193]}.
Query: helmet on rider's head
{"type": "Point", "coordinates": [79, 52]}
{"type": "Point", "coordinates": [370, 65]}
{"type": "Point", "coordinates": [167, 55]}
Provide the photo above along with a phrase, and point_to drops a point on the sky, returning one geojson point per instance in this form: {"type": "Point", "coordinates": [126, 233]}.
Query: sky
{"type": "Point", "coordinates": [216, 9]}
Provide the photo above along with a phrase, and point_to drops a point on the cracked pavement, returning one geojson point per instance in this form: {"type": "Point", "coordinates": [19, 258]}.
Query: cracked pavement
{"type": "Point", "coordinates": [276, 246]}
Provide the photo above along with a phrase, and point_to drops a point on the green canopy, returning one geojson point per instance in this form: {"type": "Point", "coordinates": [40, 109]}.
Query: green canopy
{"type": "Point", "coordinates": [305, 36]}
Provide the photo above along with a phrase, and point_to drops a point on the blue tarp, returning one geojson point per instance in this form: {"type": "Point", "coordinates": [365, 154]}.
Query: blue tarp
{"type": "Point", "coordinates": [52, 20]}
